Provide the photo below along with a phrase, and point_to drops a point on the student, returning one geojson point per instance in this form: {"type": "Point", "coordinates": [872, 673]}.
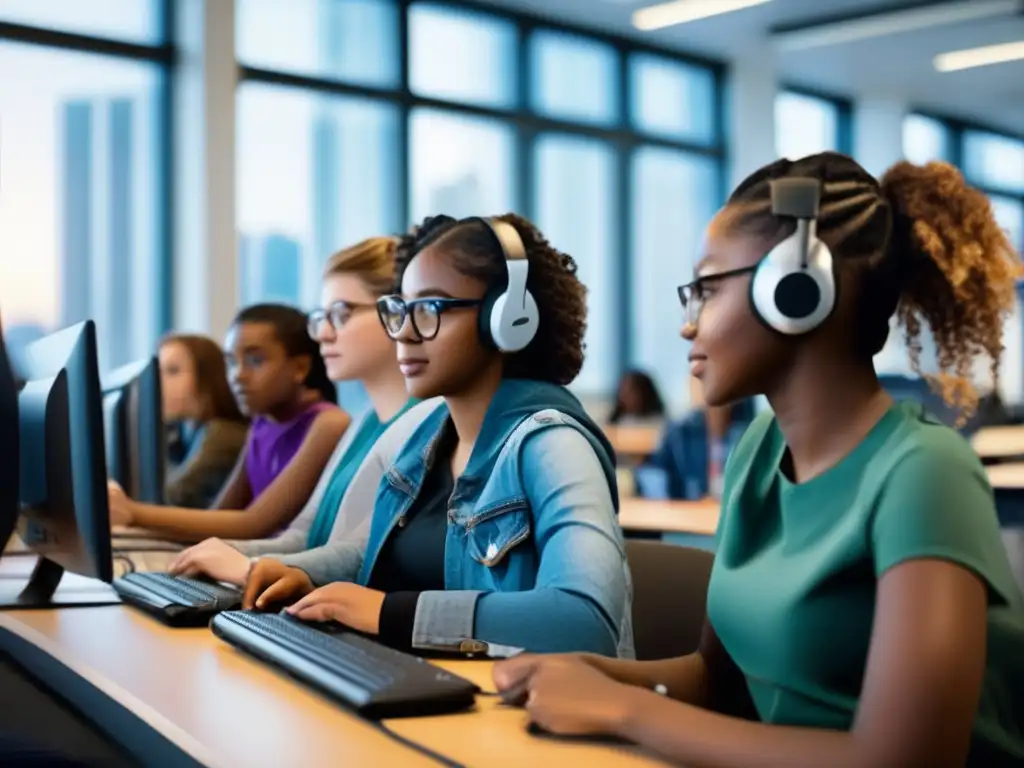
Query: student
{"type": "Point", "coordinates": [207, 429]}
{"type": "Point", "coordinates": [636, 400]}
{"type": "Point", "coordinates": [860, 598]}
{"type": "Point", "coordinates": [280, 381]}
{"type": "Point", "coordinates": [495, 526]}
{"type": "Point", "coordinates": [354, 347]}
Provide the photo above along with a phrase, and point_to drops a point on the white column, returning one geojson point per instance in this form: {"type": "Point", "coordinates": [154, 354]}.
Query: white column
{"type": "Point", "coordinates": [750, 109]}
{"type": "Point", "coordinates": [750, 120]}
{"type": "Point", "coordinates": [878, 132]}
{"type": "Point", "coordinates": [205, 248]}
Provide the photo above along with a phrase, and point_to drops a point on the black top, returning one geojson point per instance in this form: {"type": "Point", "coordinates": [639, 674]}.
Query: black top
{"type": "Point", "coordinates": [412, 558]}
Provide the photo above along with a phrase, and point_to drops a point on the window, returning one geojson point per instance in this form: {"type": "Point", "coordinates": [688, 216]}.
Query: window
{"type": "Point", "coordinates": [671, 99]}
{"type": "Point", "coordinates": [925, 139]}
{"type": "Point", "coordinates": [462, 56]}
{"type": "Point", "coordinates": [494, 112]}
{"type": "Point", "coordinates": [575, 208]}
{"type": "Point", "coordinates": [81, 228]}
{"type": "Point", "coordinates": [351, 40]}
{"type": "Point", "coordinates": [460, 166]}
{"type": "Point", "coordinates": [805, 125]}
{"type": "Point", "coordinates": [1009, 213]}
{"type": "Point", "coordinates": [315, 173]}
{"type": "Point", "coordinates": [574, 78]}
{"type": "Point", "coordinates": [994, 162]}
{"type": "Point", "coordinates": [675, 197]}
{"type": "Point", "coordinates": [134, 21]}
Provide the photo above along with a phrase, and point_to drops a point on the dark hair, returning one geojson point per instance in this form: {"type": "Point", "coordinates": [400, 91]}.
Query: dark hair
{"type": "Point", "coordinates": [650, 399]}
{"type": "Point", "coordinates": [290, 327]}
{"type": "Point", "coordinates": [212, 388]}
{"type": "Point", "coordinates": [556, 353]}
{"type": "Point", "coordinates": [932, 253]}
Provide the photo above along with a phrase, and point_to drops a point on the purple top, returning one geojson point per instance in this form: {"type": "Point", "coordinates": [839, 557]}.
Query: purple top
{"type": "Point", "coordinates": [273, 444]}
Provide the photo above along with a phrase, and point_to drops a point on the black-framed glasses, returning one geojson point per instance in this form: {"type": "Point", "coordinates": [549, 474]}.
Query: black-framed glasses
{"type": "Point", "coordinates": [424, 314]}
{"type": "Point", "coordinates": [336, 315]}
{"type": "Point", "coordinates": [692, 295]}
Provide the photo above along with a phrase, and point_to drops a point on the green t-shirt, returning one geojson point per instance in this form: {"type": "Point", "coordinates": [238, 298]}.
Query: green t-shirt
{"type": "Point", "coordinates": [792, 593]}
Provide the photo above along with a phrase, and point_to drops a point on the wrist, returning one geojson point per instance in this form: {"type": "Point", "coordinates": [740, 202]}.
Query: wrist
{"type": "Point", "coordinates": [632, 706]}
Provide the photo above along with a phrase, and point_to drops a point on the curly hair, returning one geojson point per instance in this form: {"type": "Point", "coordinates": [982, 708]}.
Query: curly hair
{"type": "Point", "coordinates": [556, 353]}
{"type": "Point", "coordinates": [932, 254]}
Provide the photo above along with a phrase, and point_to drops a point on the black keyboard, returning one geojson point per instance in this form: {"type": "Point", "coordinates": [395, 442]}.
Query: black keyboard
{"type": "Point", "coordinates": [376, 681]}
{"type": "Point", "coordinates": [176, 600]}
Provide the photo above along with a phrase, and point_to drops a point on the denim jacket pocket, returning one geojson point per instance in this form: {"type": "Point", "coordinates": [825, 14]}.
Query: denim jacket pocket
{"type": "Point", "coordinates": [493, 533]}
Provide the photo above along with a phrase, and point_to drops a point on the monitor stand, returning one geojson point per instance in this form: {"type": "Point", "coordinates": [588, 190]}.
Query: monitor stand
{"type": "Point", "coordinates": [49, 586]}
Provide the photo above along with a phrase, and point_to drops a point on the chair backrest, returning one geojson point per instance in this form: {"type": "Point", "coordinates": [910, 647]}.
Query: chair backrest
{"type": "Point", "coordinates": [670, 586]}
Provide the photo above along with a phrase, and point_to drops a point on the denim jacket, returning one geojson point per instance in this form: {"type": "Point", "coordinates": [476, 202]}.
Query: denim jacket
{"type": "Point", "coordinates": [534, 557]}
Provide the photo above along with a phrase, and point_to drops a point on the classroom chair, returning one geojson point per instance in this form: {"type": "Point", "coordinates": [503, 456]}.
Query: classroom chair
{"type": "Point", "coordinates": [670, 585]}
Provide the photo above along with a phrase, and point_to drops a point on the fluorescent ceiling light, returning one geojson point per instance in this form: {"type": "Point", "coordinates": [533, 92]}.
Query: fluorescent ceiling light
{"type": "Point", "coordinates": [682, 11]}
{"type": "Point", "coordinates": [979, 57]}
{"type": "Point", "coordinates": [892, 22]}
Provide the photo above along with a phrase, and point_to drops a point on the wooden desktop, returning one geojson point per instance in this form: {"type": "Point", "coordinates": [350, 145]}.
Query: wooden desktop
{"type": "Point", "coordinates": [183, 697]}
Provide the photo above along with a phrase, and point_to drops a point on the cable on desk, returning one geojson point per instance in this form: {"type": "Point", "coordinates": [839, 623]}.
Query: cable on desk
{"type": "Point", "coordinates": [417, 747]}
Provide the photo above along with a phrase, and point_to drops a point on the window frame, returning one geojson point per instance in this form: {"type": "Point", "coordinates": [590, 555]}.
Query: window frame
{"type": "Point", "coordinates": [957, 129]}
{"type": "Point", "coordinates": [622, 136]}
{"type": "Point", "coordinates": [843, 106]}
{"type": "Point", "coordinates": [164, 55]}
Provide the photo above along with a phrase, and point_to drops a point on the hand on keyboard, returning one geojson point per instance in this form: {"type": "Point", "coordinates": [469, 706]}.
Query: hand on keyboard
{"type": "Point", "coordinates": [271, 583]}
{"type": "Point", "coordinates": [213, 558]}
{"type": "Point", "coordinates": [349, 604]}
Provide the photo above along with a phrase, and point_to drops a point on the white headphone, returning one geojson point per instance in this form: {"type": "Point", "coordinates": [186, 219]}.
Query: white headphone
{"type": "Point", "coordinates": [509, 318]}
{"type": "Point", "coordinates": [793, 290]}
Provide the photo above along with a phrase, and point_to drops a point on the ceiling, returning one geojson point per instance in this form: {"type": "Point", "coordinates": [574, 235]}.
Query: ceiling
{"type": "Point", "coordinates": [897, 65]}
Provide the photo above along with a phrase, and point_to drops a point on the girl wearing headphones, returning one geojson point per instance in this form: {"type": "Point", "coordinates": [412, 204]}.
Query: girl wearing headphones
{"type": "Point", "coordinates": [494, 526]}
{"type": "Point", "coordinates": [861, 610]}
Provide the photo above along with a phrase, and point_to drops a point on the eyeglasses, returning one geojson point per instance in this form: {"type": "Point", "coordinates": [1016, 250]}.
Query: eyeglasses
{"type": "Point", "coordinates": [424, 314]}
{"type": "Point", "coordinates": [691, 295]}
{"type": "Point", "coordinates": [336, 315]}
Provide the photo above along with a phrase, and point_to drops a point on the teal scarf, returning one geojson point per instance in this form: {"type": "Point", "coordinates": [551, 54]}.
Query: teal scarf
{"type": "Point", "coordinates": [366, 435]}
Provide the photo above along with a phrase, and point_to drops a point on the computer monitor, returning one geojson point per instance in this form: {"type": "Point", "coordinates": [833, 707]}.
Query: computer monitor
{"type": "Point", "coordinates": [133, 427]}
{"type": "Point", "coordinates": [64, 518]}
{"type": "Point", "coordinates": [9, 459]}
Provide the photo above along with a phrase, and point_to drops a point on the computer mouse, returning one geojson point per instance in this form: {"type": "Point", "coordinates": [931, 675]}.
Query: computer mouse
{"type": "Point", "coordinates": [538, 730]}
{"type": "Point", "coordinates": [514, 697]}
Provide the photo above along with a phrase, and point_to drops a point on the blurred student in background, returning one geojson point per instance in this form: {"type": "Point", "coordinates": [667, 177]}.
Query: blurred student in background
{"type": "Point", "coordinates": [690, 460]}
{"type": "Point", "coordinates": [496, 520]}
{"type": "Point", "coordinates": [861, 609]}
{"type": "Point", "coordinates": [354, 347]}
{"type": "Point", "coordinates": [206, 430]}
{"type": "Point", "coordinates": [637, 400]}
{"type": "Point", "coordinates": [280, 382]}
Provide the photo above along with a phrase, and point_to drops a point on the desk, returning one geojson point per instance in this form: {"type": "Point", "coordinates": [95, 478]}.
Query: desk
{"type": "Point", "coordinates": [634, 442]}
{"type": "Point", "coordinates": [999, 442]}
{"type": "Point", "coordinates": [692, 523]}
{"type": "Point", "coordinates": [189, 698]}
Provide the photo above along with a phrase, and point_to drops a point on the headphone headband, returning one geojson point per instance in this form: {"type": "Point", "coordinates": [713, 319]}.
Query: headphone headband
{"type": "Point", "coordinates": [796, 197]}
{"type": "Point", "coordinates": [509, 318]}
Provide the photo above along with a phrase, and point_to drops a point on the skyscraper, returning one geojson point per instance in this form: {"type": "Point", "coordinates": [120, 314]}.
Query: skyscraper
{"type": "Point", "coordinates": [76, 245]}
{"type": "Point", "coordinates": [271, 269]}
{"type": "Point", "coordinates": [98, 205]}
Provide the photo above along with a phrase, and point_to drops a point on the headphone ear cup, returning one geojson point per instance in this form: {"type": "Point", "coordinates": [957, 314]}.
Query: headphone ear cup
{"type": "Point", "coordinates": [790, 299]}
{"type": "Point", "coordinates": [511, 328]}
